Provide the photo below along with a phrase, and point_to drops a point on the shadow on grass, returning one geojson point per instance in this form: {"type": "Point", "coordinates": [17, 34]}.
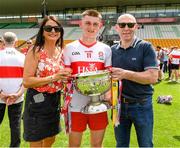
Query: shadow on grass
{"type": "Point", "coordinates": [157, 83]}
{"type": "Point", "coordinates": [166, 79]}
{"type": "Point", "coordinates": [168, 104]}
{"type": "Point", "coordinates": [172, 83]}
{"type": "Point", "coordinates": [177, 137]}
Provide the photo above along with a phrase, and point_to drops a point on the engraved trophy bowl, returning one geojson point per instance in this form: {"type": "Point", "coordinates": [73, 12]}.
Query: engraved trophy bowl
{"type": "Point", "coordinates": [94, 85]}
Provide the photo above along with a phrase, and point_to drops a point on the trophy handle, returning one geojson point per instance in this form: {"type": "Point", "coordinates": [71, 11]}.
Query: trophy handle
{"type": "Point", "coordinates": [115, 97]}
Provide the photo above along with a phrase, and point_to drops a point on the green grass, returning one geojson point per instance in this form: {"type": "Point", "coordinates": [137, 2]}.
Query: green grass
{"type": "Point", "coordinates": [166, 124]}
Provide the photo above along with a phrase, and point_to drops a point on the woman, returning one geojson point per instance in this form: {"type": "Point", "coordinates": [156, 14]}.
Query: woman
{"type": "Point", "coordinates": [44, 75]}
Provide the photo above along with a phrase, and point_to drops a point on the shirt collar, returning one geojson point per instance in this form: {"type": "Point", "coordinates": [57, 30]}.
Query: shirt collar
{"type": "Point", "coordinates": [133, 44]}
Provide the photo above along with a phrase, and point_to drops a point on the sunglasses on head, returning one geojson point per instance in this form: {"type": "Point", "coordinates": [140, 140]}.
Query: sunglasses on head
{"type": "Point", "coordinates": [49, 28]}
{"type": "Point", "coordinates": [123, 25]}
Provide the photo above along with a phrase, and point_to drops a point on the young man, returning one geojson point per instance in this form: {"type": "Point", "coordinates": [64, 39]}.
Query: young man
{"type": "Point", "coordinates": [11, 88]}
{"type": "Point", "coordinates": [134, 62]}
{"type": "Point", "coordinates": [84, 55]}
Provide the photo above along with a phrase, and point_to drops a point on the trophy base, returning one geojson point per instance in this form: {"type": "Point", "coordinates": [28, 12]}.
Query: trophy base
{"type": "Point", "coordinates": [95, 108]}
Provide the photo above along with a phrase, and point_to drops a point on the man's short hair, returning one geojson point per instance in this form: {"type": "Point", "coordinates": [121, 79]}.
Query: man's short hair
{"type": "Point", "coordinates": [128, 15]}
{"type": "Point", "coordinates": [29, 42]}
{"type": "Point", "coordinates": [159, 47]}
{"type": "Point", "coordinates": [175, 47]}
{"type": "Point", "coordinates": [9, 37]}
{"type": "Point", "coordinates": [92, 12]}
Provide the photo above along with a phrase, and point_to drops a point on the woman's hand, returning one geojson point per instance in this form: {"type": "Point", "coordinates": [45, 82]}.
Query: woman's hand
{"type": "Point", "coordinates": [63, 74]}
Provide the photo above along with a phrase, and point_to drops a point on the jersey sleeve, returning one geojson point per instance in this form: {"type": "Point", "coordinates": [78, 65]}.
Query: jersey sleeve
{"type": "Point", "coordinates": [108, 53]}
{"type": "Point", "coordinates": [66, 57]}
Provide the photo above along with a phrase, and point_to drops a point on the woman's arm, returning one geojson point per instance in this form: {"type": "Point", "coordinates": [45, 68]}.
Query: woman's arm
{"type": "Point", "coordinates": [30, 67]}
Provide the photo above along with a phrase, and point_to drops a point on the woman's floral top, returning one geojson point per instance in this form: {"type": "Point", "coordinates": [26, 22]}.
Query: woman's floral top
{"type": "Point", "coordinates": [47, 67]}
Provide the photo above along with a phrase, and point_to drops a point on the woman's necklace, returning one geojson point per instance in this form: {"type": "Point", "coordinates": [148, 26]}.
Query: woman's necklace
{"type": "Point", "coordinates": [55, 55]}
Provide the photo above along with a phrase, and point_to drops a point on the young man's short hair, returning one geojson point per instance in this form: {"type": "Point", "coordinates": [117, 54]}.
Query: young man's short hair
{"type": "Point", "coordinates": [92, 12]}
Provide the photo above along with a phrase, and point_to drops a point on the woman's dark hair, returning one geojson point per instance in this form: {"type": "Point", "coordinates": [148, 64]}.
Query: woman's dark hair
{"type": "Point", "coordinates": [1, 40]}
{"type": "Point", "coordinates": [40, 38]}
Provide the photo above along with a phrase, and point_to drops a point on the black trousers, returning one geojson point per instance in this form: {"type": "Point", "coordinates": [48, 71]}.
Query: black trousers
{"type": "Point", "coordinates": [165, 67]}
{"type": "Point", "coordinates": [14, 114]}
{"type": "Point", "coordinates": [169, 69]}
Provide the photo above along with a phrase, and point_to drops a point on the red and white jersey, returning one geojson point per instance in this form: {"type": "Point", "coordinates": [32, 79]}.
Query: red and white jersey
{"type": "Point", "coordinates": [11, 71]}
{"type": "Point", "coordinates": [175, 54]}
{"type": "Point", "coordinates": [82, 58]}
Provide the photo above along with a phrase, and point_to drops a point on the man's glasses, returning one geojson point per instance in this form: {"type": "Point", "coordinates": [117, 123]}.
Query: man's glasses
{"type": "Point", "coordinates": [123, 25]}
{"type": "Point", "coordinates": [49, 28]}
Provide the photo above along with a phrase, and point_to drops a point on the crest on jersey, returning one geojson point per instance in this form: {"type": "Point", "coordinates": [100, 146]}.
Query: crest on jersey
{"type": "Point", "coordinates": [101, 55]}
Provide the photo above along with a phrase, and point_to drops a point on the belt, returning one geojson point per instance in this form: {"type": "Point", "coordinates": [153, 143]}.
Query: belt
{"type": "Point", "coordinates": [131, 101]}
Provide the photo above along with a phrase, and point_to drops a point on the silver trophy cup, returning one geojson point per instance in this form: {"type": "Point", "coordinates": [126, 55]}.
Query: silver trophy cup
{"type": "Point", "coordinates": [94, 85]}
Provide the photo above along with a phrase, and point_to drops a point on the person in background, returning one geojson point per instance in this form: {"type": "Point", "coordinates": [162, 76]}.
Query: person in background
{"type": "Point", "coordinates": [165, 62]}
{"type": "Point", "coordinates": [169, 63]}
{"type": "Point", "coordinates": [1, 44]}
{"type": "Point", "coordinates": [25, 49]}
{"type": "Point", "coordinates": [86, 55]}
{"type": "Point", "coordinates": [44, 76]}
{"type": "Point", "coordinates": [160, 63]}
{"type": "Point", "coordinates": [161, 57]}
{"type": "Point", "coordinates": [11, 88]}
{"type": "Point", "coordinates": [134, 62]}
{"type": "Point", "coordinates": [175, 61]}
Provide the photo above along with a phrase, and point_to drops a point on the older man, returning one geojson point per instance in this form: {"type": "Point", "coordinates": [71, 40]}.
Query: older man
{"type": "Point", "coordinates": [134, 62]}
{"type": "Point", "coordinates": [11, 88]}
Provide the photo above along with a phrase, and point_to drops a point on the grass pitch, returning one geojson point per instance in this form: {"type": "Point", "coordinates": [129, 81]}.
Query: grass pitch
{"type": "Point", "coordinates": [166, 123]}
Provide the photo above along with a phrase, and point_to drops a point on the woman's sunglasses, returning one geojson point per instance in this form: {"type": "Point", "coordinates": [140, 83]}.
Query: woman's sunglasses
{"type": "Point", "coordinates": [123, 25]}
{"type": "Point", "coordinates": [49, 28]}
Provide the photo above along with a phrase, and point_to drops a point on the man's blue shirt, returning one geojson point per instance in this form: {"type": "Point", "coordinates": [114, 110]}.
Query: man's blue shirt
{"type": "Point", "coordinates": [139, 57]}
